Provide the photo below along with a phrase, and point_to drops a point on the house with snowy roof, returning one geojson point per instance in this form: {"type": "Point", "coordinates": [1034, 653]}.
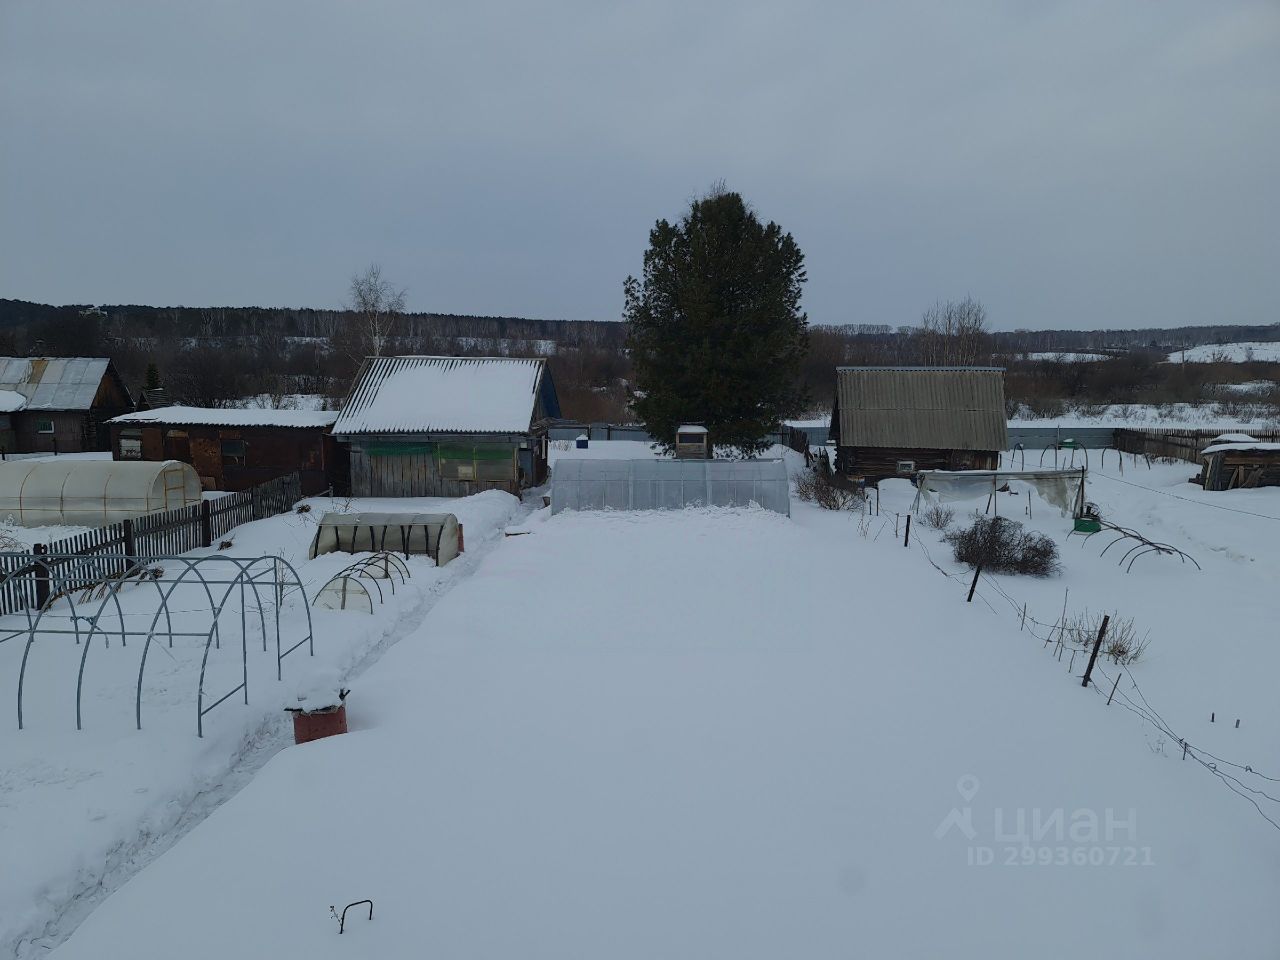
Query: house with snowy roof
{"type": "Point", "coordinates": [58, 404]}
{"type": "Point", "coordinates": [447, 426]}
{"type": "Point", "coordinates": [233, 449]}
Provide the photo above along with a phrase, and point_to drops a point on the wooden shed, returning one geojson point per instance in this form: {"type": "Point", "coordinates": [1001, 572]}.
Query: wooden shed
{"type": "Point", "coordinates": [237, 449]}
{"type": "Point", "coordinates": [895, 421]}
{"type": "Point", "coordinates": [1240, 463]}
{"type": "Point", "coordinates": [58, 404]}
{"type": "Point", "coordinates": [447, 426]}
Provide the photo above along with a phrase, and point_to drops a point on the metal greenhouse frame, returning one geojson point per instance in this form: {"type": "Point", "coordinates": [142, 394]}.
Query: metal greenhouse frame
{"type": "Point", "coordinates": [93, 583]}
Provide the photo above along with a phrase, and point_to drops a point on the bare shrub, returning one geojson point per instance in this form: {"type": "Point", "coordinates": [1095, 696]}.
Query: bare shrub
{"type": "Point", "coordinates": [938, 517]}
{"type": "Point", "coordinates": [1001, 545]}
{"type": "Point", "coordinates": [818, 486]}
{"type": "Point", "coordinates": [1122, 644]}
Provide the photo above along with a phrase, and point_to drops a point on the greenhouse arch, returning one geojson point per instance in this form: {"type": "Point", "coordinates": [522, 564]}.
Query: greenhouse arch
{"type": "Point", "coordinates": [93, 492]}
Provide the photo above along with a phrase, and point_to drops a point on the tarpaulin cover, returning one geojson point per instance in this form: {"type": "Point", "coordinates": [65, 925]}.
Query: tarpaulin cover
{"type": "Point", "coordinates": [651, 484]}
{"type": "Point", "coordinates": [1058, 487]}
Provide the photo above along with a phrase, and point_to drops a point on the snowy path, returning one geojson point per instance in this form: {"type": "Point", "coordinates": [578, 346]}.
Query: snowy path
{"type": "Point", "coordinates": [713, 734]}
{"type": "Point", "coordinates": [83, 811]}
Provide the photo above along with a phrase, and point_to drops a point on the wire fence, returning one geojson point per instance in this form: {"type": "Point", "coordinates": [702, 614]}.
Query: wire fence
{"type": "Point", "coordinates": [26, 578]}
{"type": "Point", "coordinates": [1117, 684]}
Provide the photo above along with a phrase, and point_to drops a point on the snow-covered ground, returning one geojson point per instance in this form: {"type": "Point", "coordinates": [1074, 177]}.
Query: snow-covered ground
{"type": "Point", "coordinates": [1070, 357]}
{"type": "Point", "coordinates": [1240, 352]}
{"type": "Point", "coordinates": [1165, 416]}
{"type": "Point", "coordinates": [81, 811]}
{"type": "Point", "coordinates": [723, 733]}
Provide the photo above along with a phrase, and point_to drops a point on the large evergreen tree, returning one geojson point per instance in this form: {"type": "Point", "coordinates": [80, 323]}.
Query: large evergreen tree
{"type": "Point", "coordinates": [715, 329]}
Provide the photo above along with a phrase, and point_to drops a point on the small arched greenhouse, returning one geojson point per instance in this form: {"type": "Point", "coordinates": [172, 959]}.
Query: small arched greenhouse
{"type": "Point", "coordinates": [67, 491]}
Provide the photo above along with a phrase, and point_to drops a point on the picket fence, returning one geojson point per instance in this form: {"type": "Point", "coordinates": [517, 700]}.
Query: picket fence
{"type": "Point", "coordinates": [25, 577]}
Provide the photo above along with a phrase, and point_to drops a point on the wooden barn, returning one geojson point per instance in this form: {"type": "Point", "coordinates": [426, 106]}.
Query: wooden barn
{"type": "Point", "coordinates": [447, 426]}
{"type": "Point", "coordinates": [1246, 463]}
{"type": "Point", "coordinates": [895, 421]}
{"type": "Point", "coordinates": [58, 404]}
{"type": "Point", "coordinates": [237, 449]}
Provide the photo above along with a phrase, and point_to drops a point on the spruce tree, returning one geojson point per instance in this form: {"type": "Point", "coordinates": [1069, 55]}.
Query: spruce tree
{"type": "Point", "coordinates": [715, 330]}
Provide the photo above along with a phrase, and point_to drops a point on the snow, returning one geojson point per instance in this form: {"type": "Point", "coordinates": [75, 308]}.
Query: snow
{"type": "Point", "coordinates": [722, 733]}
{"type": "Point", "coordinates": [1168, 416]}
{"type": "Point", "coordinates": [1070, 357]}
{"type": "Point", "coordinates": [230, 417]}
{"type": "Point", "coordinates": [1245, 350]}
{"type": "Point", "coordinates": [1240, 445]}
{"type": "Point", "coordinates": [82, 811]}
{"type": "Point", "coordinates": [11, 401]}
{"type": "Point", "coordinates": [443, 394]}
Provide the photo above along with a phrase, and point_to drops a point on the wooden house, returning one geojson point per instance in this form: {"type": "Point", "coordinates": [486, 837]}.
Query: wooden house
{"type": "Point", "coordinates": [58, 404]}
{"type": "Point", "coordinates": [895, 421]}
{"type": "Point", "coordinates": [237, 449]}
{"type": "Point", "coordinates": [1240, 463]}
{"type": "Point", "coordinates": [447, 426]}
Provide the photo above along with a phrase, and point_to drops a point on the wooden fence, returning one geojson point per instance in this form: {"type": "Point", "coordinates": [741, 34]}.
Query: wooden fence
{"type": "Point", "coordinates": [1176, 444]}
{"type": "Point", "coordinates": [25, 578]}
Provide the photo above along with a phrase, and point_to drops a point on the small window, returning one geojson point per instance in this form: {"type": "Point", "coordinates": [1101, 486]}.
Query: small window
{"type": "Point", "coordinates": [44, 426]}
{"type": "Point", "coordinates": [906, 466]}
{"type": "Point", "coordinates": [233, 453]}
{"type": "Point", "coordinates": [694, 438]}
{"type": "Point", "coordinates": [130, 444]}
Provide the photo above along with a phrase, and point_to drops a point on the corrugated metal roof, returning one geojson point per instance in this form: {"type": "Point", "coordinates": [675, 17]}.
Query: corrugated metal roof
{"type": "Point", "coordinates": [945, 408]}
{"type": "Point", "coordinates": [54, 383]}
{"type": "Point", "coordinates": [442, 395]}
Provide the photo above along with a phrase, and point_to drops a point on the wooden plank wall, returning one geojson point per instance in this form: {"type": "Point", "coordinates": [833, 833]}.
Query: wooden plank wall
{"type": "Point", "coordinates": [411, 475]}
{"type": "Point", "coordinates": [1177, 444]}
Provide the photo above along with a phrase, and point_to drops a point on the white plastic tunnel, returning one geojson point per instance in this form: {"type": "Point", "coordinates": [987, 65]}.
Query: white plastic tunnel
{"type": "Point", "coordinates": [39, 493]}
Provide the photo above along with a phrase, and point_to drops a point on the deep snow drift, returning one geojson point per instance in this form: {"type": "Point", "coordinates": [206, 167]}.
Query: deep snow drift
{"type": "Point", "coordinates": [722, 733]}
{"type": "Point", "coordinates": [80, 811]}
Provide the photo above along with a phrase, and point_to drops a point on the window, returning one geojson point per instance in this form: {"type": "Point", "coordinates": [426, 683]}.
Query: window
{"type": "Point", "coordinates": [233, 453]}
{"type": "Point", "coordinates": [491, 462]}
{"type": "Point", "coordinates": [693, 438]}
{"type": "Point", "coordinates": [130, 444]}
{"type": "Point", "coordinates": [906, 466]}
{"type": "Point", "coordinates": [44, 426]}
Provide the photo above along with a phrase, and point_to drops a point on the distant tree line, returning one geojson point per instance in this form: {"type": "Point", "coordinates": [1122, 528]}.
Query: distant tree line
{"type": "Point", "coordinates": [216, 356]}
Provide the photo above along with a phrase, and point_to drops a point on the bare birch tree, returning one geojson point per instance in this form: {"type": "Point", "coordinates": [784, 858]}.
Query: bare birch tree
{"type": "Point", "coordinates": [377, 306]}
{"type": "Point", "coordinates": [954, 334]}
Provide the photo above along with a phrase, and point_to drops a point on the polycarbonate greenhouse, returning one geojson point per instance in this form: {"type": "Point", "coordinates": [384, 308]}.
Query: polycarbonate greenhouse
{"type": "Point", "coordinates": [669, 484]}
{"type": "Point", "coordinates": [38, 493]}
{"type": "Point", "coordinates": [432, 534]}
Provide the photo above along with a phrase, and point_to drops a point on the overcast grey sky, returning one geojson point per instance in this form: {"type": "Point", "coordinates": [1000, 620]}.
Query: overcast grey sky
{"type": "Point", "coordinates": [1076, 164]}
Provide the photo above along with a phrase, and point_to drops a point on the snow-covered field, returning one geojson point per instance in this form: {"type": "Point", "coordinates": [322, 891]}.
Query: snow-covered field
{"type": "Point", "coordinates": [81, 811]}
{"type": "Point", "coordinates": [723, 733]}
{"type": "Point", "coordinates": [1165, 416]}
{"type": "Point", "coordinates": [1070, 357]}
{"type": "Point", "coordinates": [1245, 350]}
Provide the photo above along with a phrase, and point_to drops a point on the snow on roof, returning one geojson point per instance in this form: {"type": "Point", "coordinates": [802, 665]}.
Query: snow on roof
{"type": "Point", "coordinates": [11, 401]}
{"type": "Point", "coordinates": [218, 417]}
{"type": "Point", "coordinates": [1227, 447]}
{"type": "Point", "coordinates": [1234, 438]}
{"type": "Point", "coordinates": [691, 428]}
{"type": "Point", "coordinates": [54, 383]}
{"type": "Point", "coordinates": [443, 395]}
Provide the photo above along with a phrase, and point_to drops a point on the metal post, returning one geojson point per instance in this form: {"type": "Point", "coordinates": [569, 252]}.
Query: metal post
{"type": "Point", "coordinates": [1097, 645]}
{"type": "Point", "coordinates": [977, 572]}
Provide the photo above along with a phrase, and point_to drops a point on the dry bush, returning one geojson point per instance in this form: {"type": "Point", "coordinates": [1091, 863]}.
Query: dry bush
{"type": "Point", "coordinates": [1122, 644]}
{"type": "Point", "coordinates": [817, 486]}
{"type": "Point", "coordinates": [1001, 545]}
{"type": "Point", "coordinates": [938, 517]}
